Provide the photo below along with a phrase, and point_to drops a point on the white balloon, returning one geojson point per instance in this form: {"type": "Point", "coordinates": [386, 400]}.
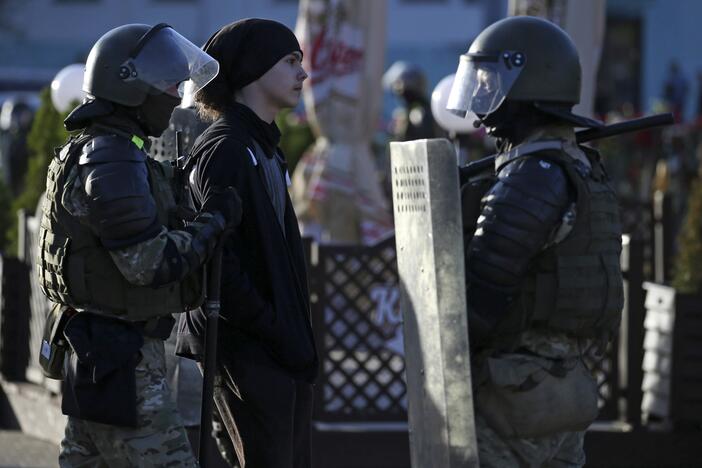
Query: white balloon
{"type": "Point", "coordinates": [67, 87]}
{"type": "Point", "coordinates": [446, 120]}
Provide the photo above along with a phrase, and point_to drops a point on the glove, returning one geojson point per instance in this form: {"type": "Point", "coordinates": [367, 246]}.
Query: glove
{"type": "Point", "coordinates": [224, 201]}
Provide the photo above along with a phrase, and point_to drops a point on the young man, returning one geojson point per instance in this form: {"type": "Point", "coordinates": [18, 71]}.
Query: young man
{"type": "Point", "coordinates": [110, 256]}
{"type": "Point", "coordinates": [267, 356]}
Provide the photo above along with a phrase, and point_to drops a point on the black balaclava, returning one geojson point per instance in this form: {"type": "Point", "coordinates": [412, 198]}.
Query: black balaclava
{"type": "Point", "coordinates": [514, 121]}
{"type": "Point", "coordinates": [248, 48]}
{"type": "Point", "coordinates": [149, 119]}
{"type": "Point", "coordinates": [155, 114]}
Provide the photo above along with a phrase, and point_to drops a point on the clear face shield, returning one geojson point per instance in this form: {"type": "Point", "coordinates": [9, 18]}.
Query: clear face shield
{"type": "Point", "coordinates": [483, 81]}
{"type": "Point", "coordinates": [164, 61]}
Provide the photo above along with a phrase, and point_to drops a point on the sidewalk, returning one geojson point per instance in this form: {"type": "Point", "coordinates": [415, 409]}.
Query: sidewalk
{"type": "Point", "coordinates": [23, 451]}
{"type": "Point", "coordinates": [31, 426]}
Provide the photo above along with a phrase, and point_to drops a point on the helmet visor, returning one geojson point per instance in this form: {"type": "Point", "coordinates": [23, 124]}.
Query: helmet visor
{"type": "Point", "coordinates": [164, 61]}
{"type": "Point", "coordinates": [483, 81]}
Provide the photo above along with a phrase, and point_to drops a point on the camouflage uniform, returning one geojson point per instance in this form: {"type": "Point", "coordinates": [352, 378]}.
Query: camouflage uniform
{"type": "Point", "coordinates": [556, 451]}
{"type": "Point", "coordinates": [563, 449]}
{"type": "Point", "coordinates": [160, 439]}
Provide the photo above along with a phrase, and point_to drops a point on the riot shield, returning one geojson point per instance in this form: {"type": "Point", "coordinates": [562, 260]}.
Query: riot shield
{"type": "Point", "coordinates": [430, 260]}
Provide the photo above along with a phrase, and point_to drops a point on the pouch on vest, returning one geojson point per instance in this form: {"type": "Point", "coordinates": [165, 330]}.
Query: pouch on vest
{"type": "Point", "coordinates": [100, 383]}
{"type": "Point", "coordinates": [525, 398]}
{"type": "Point", "coordinates": [53, 344]}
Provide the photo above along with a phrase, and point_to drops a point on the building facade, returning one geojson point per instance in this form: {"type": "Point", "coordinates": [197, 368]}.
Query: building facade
{"type": "Point", "coordinates": [39, 37]}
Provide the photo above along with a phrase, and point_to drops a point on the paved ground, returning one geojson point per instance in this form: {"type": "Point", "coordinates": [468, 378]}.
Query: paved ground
{"type": "Point", "coordinates": [22, 451]}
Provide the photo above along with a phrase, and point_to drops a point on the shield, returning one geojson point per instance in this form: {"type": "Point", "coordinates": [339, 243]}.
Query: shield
{"type": "Point", "coordinates": [432, 283]}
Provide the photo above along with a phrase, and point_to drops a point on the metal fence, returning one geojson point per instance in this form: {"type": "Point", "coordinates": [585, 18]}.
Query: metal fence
{"type": "Point", "coordinates": [39, 305]}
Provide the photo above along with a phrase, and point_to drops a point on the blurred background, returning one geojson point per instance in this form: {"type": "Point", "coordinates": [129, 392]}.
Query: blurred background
{"type": "Point", "coordinates": [379, 72]}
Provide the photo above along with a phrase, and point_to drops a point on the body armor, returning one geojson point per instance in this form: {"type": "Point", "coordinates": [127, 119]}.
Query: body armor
{"type": "Point", "coordinates": [574, 285]}
{"type": "Point", "coordinates": [76, 270]}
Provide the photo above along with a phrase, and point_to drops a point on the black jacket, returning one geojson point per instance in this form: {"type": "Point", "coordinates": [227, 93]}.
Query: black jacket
{"type": "Point", "coordinates": [264, 294]}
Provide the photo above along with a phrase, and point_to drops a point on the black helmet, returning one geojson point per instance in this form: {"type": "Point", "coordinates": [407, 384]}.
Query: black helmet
{"type": "Point", "coordinates": [404, 78]}
{"type": "Point", "coordinates": [520, 58]}
{"type": "Point", "coordinates": [132, 61]}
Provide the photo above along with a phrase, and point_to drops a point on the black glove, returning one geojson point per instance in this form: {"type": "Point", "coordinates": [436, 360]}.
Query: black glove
{"type": "Point", "coordinates": [225, 201]}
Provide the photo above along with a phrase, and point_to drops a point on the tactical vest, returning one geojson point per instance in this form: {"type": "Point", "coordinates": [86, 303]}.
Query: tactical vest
{"type": "Point", "coordinates": [74, 269]}
{"type": "Point", "coordinates": [575, 286]}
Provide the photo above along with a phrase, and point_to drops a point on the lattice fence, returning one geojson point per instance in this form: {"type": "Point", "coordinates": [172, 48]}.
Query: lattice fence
{"type": "Point", "coordinates": [358, 327]}
{"type": "Point", "coordinates": [606, 371]}
{"type": "Point", "coordinates": [358, 330]}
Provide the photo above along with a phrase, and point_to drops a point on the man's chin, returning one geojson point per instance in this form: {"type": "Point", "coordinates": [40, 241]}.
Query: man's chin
{"type": "Point", "coordinates": [290, 102]}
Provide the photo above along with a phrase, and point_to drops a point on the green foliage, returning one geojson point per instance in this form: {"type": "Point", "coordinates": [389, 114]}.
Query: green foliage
{"type": "Point", "coordinates": [296, 137]}
{"type": "Point", "coordinates": [687, 276]}
{"type": "Point", "coordinates": [47, 133]}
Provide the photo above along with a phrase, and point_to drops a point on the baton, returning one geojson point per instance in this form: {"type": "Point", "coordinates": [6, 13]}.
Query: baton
{"type": "Point", "coordinates": [583, 136]}
{"type": "Point", "coordinates": [212, 306]}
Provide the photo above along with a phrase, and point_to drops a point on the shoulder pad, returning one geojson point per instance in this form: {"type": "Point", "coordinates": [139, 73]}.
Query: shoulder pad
{"type": "Point", "coordinates": [110, 148]}
{"type": "Point", "coordinates": [536, 178]}
{"type": "Point", "coordinates": [122, 210]}
{"type": "Point", "coordinates": [537, 167]}
{"type": "Point", "coordinates": [525, 149]}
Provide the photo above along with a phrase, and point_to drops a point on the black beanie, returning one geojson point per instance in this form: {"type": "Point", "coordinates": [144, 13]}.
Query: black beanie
{"type": "Point", "coordinates": [248, 48]}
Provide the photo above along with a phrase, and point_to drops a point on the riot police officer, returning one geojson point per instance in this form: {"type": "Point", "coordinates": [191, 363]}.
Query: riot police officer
{"type": "Point", "coordinates": [544, 286]}
{"type": "Point", "coordinates": [413, 119]}
{"type": "Point", "coordinates": [16, 116]}
{"type": "Point", "coordinates": [113, 256]}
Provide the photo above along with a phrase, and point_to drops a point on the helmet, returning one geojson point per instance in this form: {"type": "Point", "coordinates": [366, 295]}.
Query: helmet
{"type": "Point", "coordinates": [132, 61]}
{"type": "Point", "coordinates": [520, 58]}
{"type": "Point", "coordinates": [405, 78]}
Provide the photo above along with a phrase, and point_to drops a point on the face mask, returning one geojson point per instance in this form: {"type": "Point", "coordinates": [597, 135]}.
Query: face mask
{"type": "Point", "coordinates": [156, 112]}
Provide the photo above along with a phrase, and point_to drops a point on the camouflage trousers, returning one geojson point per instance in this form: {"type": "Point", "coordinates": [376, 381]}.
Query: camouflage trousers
{"type": "Point", "coordinates": [158, 441]}
{"type": "Point", "coordinates": [562, 450]}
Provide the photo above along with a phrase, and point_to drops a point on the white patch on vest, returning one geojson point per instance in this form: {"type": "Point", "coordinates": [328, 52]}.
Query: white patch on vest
{"type": "Point", "coordinates": [544, 164]}
{"type": "Point", "coordinates": [253, 158]}
{"type": "Point", "coordinates": [287, 178]}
